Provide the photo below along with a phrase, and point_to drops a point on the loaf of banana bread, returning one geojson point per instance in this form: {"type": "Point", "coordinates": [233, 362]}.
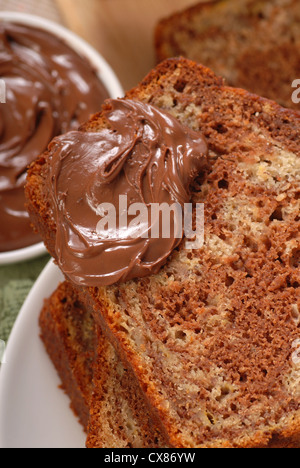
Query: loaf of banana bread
{"type": "Point", "coordinates": [254, 44]}
{"type": "Point", "coordinates": [210, 338]}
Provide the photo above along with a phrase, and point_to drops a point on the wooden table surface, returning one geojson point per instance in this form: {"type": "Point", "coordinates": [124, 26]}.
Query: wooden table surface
{"type": "Point", "coordinates": [121, 30]}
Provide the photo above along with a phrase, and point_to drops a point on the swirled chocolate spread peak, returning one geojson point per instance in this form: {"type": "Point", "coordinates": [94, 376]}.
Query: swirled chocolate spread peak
{"type": "Point", "coordinates": [50, 90]}
{"type": "Point", "coordinates": [101, 182]}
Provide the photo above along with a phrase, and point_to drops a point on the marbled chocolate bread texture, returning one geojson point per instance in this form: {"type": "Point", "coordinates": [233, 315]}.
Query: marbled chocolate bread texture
{"type": "Point", "coordinates": [119, 415]}
{"type": "Point", "coordinates": [210, 338]}
{"type": "Point", "coordinates": [67, 331]}
{"type": "Point", "coordinates": [254, 44]}
{"type": "Point", "coordinates": [102, 394]}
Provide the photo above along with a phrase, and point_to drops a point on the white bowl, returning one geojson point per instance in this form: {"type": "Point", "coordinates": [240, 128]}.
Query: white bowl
{"type": "Point", "coordinates": [105, 73]}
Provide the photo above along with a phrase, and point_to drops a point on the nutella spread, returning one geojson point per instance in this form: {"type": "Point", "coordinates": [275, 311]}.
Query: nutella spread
{"type": "Point", "coordinates": [144, 156]}
{"type": "Point", "coordinates": [50, 90]}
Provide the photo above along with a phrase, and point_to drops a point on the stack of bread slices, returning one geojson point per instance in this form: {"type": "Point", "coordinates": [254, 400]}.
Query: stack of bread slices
{"type": "Point", "coordinates": [200, 354]}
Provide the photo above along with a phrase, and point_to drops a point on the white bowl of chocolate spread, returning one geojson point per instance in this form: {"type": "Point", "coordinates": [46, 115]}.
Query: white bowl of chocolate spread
{"type": "Point", "coordinates": [51, 81]}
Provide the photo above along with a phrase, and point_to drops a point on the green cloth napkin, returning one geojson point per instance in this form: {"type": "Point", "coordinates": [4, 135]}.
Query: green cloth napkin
{"type": "Point", "coordinates": [15, 283]}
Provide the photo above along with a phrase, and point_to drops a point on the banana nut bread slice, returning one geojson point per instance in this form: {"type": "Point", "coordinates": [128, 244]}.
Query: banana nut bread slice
{"type": "Point", "coordinates": [254, 44]}
{"type": "Point", "coordinates": [67, 331]}
{"type": "Point", "coordinates": [119, 417]}
{"type": "Point", "coordinates": [101, 393]}
{"type": "Point", "coordinates": [211, 338]}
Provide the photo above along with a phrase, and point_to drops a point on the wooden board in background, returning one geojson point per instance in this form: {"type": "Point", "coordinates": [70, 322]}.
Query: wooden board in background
{"type": "Point", "coordinates": [121, 30]}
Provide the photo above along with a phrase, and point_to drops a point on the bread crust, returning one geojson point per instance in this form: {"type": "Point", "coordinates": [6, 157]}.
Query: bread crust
{"type": "Point", "coordinates": [70, 347]}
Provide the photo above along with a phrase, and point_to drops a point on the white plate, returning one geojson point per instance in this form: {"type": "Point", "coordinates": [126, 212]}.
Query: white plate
{"type": "Point", "coordinates": [105, 73]}
{"type": "Point", "coordinates": [34, 412]}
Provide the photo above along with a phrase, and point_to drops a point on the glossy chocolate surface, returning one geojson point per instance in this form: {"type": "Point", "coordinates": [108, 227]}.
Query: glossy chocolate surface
{"type": "Point", "coordinates": [143, 154]}
{"type": "Point", "coordinates": [50, 90]}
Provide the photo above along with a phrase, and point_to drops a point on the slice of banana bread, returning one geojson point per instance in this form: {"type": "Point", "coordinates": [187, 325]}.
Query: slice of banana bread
{"type": "Point", "coordinates": [102, 395]}
{"type": "Point", "coordinates": [254, 44]}
{"type": "Point", "coordinates": [211, 338]}
{"type": "Point", "coordinates": [67, 331]}
{"type": "Point", "coordinates": [119, 417]}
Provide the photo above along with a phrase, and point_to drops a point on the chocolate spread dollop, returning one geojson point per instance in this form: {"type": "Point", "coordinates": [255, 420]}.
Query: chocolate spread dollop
{"type": "Point", "coordinates": [143, 154]}
{"type": "Point", "coordinates": [50, 90]}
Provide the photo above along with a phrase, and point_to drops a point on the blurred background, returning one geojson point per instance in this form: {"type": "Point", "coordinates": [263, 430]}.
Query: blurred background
{"type": "Point", "coordinates": [121, 30]}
